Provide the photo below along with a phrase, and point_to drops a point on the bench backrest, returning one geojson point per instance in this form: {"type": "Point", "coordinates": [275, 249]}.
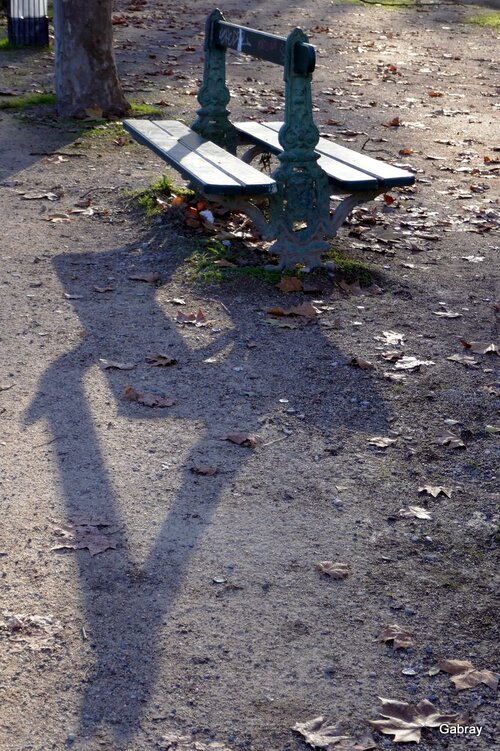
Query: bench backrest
{"type": "Point", "coordinates": [261, 45]}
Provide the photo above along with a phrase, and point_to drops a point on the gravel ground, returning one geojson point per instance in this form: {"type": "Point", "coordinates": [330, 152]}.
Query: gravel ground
{"type": "Point", "coordinates": [204, 615]}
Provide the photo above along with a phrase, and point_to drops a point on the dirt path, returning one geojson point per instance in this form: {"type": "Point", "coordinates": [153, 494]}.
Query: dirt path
{"type": "Point", "coordinates": [205, 615]}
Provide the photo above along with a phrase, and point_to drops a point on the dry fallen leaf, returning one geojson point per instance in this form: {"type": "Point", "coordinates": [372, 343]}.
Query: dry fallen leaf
{"type": "Point", "coordinates": [450, 439]}
{"type": "Point", "coordinates": [392, 355]}
{"type": "Point", "coordinates": [107, 364]}
{"type": "Point", "coordinates": [358, 362]}
{"type": "Point", "coordinates": [34, 631]}
{"type": "Point", "coordinates": [446, 314]}
{"type": "Point", "coordinates": [104, 289]}
{"type": "Point", "coordinates": [465, 675]}
{"type": "Point", "coordinates": [148, 398]}
{"type": "Point", "coordinates": [319, 733]}
{"type": "Point", "coordinates": [160, 360]}
{"type": "Point", "coordinates": [197, 319]}
{"type": "Point", "coordinates": [382, 442]}
{"type": "Point", "coordinates": [416, 511]}
{"type": "Point", "coordinates": [149, 277]}
{"type": "Point", "coordinates": [467, 360]}
{"type": "Point", "coordinates": [290, 284]}
{"type": "Point", "coordinates": [435, 490]}
{"type": "Point", "coordinates": [391, 337]}
{"type": "Point", "coordinates": [204, 469]}
{"type": "Point", "coordinates": [95, 535]}
{"type": "Point", "coordinates": [411, 363]}
{"type": "Point", "coordinates": [306, 309]}
{"type": "Point", "coordinates": [406, 721]}
{"type": "Point", "coordinates": [243, 439]}
{"type": "Point", "coordinates": [481, 348]}
{"type": "Point", "coordinates": [334, 569]}
{"type": "Point", "coordinates": [175, 742]}
{"type": "Point", "coordinates": [400, 637]}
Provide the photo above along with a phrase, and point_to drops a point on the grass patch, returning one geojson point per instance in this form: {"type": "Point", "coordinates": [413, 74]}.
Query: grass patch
{"type": "Point", "coordinates": [151, 198]}
{"type": "Point", "coordinates": [29, 100]}
{"type": "Point", "coordinates": [202, 266]}
{"type": "Point", "coordinates": [490, 20]}
{"type": "Point", "coordinates": [137, 109]}
{"type": "Point", "coordinates": [350, 269]}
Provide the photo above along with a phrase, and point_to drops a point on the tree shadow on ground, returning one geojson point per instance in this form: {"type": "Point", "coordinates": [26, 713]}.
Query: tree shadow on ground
{"type": "Point", "coordinates": [127, 602]}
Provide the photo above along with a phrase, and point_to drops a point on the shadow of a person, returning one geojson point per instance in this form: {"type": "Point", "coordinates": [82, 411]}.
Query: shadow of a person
{"type": "Point", "coordinates": [126, 601]}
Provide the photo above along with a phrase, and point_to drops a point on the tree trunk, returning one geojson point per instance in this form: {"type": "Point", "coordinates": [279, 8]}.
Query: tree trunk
{"type": "Point", "coordinates": [86, 80]}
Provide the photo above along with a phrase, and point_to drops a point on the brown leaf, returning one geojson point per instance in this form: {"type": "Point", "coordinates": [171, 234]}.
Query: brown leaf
{"type": "Point", "coordinates": [416, 511]}
{"type": "Point", "coordinates": [481, 348]}
{"type": "Point", "coordinates": [37, 632]}
{"type": "Point", "coordinates": [147, 398]}
{"type": "Point", "coordinates": [392, 355]}
{"type": "Point", "coordinates": [394, 123]}
{"type": "Point", "coordinates": [400, 637]}
{"type": "Point", "coordinates": [249, 440]}
{"type": "Point", "coordinates": [290, 284]}
{"type": "Point", "coordinates": [465, 675]}
{"type": "Point", "coordinates": [198, 319]}
{"type": "Point", "coordinates": [319, 734]}
{"type": "Point", "coordinates": [149, 277]}
{"type": "Point", "coordinates": [446, 314]}
{"type": "Point", "coordinates": [305, 309]}
{"type": "Point", "coordinates": [411, 363]}
{"type": "Point", "coordinates": [173, 741]}
{"type": "Point", "coordinates": [108, 364]}
{"type": "Point", "coordinates": [406, 721]}
{"type": "Point", "coordinates": [435, 490]}
{"type": "Point", "coordinates": [466, 360]}
{"type": "Point", "coordinates": [160, 360]}
{"type": "Point", "coordinates": [277, 310]}
{"type": "Point", "coordinates": [204, 469]}
{"type": "Point", "coordinates": [94, 535]}
{"type": "Point", "coordinates": [381, 442]}
{"type": "Point", "coordinates": [391, 337]}
{"type": "Point", "coordinates": [450, 439]}
{"type": "Point", "coordinates": [358, 362]}
{"type": "Point", "coordinates": [334, 569]}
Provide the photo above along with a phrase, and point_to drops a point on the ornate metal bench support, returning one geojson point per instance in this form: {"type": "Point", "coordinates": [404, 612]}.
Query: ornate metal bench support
{"type": "Point", "coordinates": [213, 121]}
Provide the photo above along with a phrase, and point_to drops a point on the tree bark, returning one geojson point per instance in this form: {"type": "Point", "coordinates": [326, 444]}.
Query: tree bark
{"type": "Point", "coordinates": [86, 80]}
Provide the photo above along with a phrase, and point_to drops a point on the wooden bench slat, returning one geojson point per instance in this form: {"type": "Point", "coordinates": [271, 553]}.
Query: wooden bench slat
{"type": "Point", "coordinates": [201, 170]}
{"type": "Point", "coordinates": [248, 176]}
{"type": "Point", "coordinates": [344, 176]}
{"type": "Point", "coordinates": [385, 173]}
{"type": "Point", "coordinates": [348, 168]}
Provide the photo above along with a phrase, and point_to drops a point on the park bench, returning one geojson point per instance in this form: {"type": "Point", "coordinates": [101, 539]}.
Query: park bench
{"type": "Point", "coordinates": [291, 207]}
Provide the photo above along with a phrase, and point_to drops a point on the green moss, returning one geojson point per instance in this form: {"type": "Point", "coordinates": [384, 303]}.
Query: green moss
{"type": "Point", "coordinates": [137, 109]}
{"type": "Point", "coordinates": [350, 269]}
{"type": "Point", "coordinates": [490, 20]}
{"type": "Point", "coordinates": [29, 100]}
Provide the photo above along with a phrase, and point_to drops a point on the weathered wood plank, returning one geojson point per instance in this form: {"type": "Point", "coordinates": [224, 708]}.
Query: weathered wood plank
{"type": "Point", "coordinates": [249, 177]}
{"type": "Point", "coordinates": [201, 170]}
{"type": "Point", "coordinates": [387, 174]}
{"type": "Point", "coordinates": [341, 174]}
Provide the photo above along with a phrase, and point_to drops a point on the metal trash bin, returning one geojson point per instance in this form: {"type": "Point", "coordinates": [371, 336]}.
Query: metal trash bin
{"type": "Point", "coordinates": [28, 23]}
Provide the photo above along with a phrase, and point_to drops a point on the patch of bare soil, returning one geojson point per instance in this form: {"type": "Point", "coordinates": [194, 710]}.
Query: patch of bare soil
{"type": "Point", "coordinates": [217, 527]}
